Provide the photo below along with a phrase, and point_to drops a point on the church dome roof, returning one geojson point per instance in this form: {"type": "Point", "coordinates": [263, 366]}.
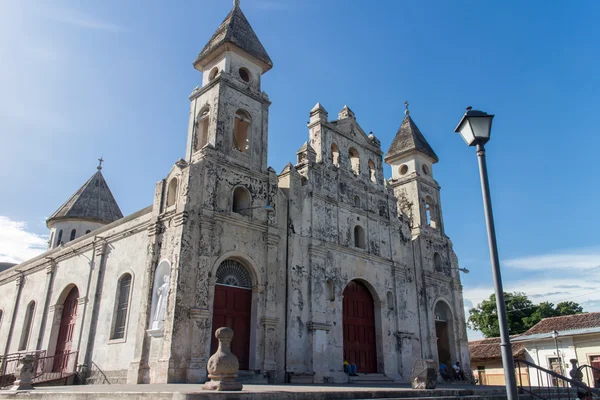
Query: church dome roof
{"type": "Point", "coordinates": [92, 202]}
{"type": "Point", "coordinates": [408, 139]}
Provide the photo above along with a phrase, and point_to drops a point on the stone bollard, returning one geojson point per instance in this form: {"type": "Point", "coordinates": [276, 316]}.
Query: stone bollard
{"type": "Point", "coordinates": [24, 374]}
{"type": "Point", "coordinates": [223, 365]}
{"type": "Point", "coordinates": [424, 374]}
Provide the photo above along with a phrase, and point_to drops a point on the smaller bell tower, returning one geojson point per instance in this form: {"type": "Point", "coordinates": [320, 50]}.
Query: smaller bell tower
{"type": "Point", "coordinates": [229, 112]}
{"type": "Point", "coordinates": [418, 193]}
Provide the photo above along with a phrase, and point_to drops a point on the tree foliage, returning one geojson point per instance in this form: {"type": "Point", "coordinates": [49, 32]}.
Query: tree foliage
{"type": "Point", "coordinates": [522, 314]}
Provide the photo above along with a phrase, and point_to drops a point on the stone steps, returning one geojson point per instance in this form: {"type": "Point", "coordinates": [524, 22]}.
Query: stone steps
{"type": "Point", "coordinates": [367, 379]}
{"type": "Point", "coordinates": [251, 377]}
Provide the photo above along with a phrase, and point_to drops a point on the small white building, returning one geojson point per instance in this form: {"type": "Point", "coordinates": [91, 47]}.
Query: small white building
{"type": "Point", "coordinates": [577, 337]}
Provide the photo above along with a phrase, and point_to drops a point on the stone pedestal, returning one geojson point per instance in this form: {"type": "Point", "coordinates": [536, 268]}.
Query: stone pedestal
{"type": "Point", "coordinates": [223, 365]}
{"type": "Point", "coordinates": [24, 374]}
{"type": "Point", "coordinates": [424, 374]}
{"type": "Point", "coordinates": [575, 373]}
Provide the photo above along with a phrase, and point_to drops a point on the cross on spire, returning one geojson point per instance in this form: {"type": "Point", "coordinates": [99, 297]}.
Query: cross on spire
{"type": "Point", "coordinates": [101, 160]}
{"type": "Point", "coordinates": [406, 112]}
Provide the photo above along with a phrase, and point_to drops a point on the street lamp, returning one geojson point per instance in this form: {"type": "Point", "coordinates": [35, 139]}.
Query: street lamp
{"type": "Point", "coordinates": [555, 337]}
{"type": "Point", "coordinates": [475, 128]}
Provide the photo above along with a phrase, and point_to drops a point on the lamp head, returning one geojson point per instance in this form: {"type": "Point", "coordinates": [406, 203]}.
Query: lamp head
{"type": "Point", "coordinates": [475, 127]}
{"type": "Point", "coordinates": [554, 334]}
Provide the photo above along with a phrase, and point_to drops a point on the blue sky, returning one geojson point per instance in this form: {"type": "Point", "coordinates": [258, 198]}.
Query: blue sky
{"type": "Point", "coordinates": [83, 79]}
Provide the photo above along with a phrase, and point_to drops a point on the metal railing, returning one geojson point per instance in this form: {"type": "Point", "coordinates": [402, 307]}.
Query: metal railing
{"type": "Point", "coordinates": [592, 374]}
{"type": "Point", "coordinates": [46, 368]}
{"type": "Point", "coordinates": [546, 384]}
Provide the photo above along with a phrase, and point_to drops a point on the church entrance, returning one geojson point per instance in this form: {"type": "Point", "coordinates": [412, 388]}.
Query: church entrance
{"type": "Point", "coordinates": [359, 328]}
{"type": "Point", "coordinates": [64, 341]}
{"type": "Point", "coordinates": [233, 308]}
{"type": "Point", "coordinates": [443, 332]}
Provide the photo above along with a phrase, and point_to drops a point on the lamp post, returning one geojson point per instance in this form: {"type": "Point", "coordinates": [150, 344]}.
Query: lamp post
{"type": "Point", "coordinates": [555, 337]}
{"type": "Point", "coordinates": [475, 128]}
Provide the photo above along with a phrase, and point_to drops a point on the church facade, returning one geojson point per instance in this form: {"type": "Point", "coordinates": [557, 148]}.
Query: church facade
{"type": "Point", "coordinates": [324, 262]}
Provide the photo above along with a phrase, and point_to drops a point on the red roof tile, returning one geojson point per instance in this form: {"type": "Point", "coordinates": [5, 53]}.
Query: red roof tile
{"type": "Point", "coordinates": [566, 323]}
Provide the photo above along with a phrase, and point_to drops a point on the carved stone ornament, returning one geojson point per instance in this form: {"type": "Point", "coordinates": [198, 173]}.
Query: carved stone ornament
{"type": "Point", "coordinates": [424, 374]}
{"type": "Point", "coordinates": [24, 373]}
{"type": "Point", "coordinates": [223, 365]}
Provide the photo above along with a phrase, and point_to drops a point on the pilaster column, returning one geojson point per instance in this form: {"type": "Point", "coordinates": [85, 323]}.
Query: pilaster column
{"type": "Point", "coordinates": [88, 307]}
{"type": "Point", "coordinates": [271, 342]}
{"type": "Point", "coordinates": [200, 340]}
{"type": "Point", "coordinates": [19, 282]}
{"type": "Point", "coordinates": [50, 272]}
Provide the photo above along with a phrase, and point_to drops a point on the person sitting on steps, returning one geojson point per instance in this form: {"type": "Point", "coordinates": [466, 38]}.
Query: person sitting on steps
{"type": "Point", "coordinates": [350, 369]}
{"type": "Point", "coordinates": [459, 372]}
{"type": "Point", "coordinates": [444, 373]}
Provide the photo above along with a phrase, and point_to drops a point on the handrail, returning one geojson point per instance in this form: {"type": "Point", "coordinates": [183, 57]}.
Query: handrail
{"type": "Point", "coordinates": [46, 368]}
{"type": "Point", "coordinates": [593, 382]}
{"type": "Point", "coordinates": [102, 372]}
{"type": "Point", "coordinates": [556, 386]}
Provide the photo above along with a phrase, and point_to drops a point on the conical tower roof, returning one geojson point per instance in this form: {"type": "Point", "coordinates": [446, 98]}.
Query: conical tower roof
{"type": "Point", "coordinates": [235, 29]}
{"type": "Point", "coordinates": [92, 202]}
{"type": "Point", "coordinates": [408, 139]}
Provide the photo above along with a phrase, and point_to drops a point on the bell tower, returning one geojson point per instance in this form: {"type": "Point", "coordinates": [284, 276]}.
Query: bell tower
{"type": "Point", "coordinates": [229, 112]}
{"type": "Point", "coordinates": [412, 159]}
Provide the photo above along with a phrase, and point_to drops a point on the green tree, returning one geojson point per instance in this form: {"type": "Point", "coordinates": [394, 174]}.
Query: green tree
{"type": "Point", "coordinates": [521, 313]}
{"type": "Point", "coordinates": [484, 317]}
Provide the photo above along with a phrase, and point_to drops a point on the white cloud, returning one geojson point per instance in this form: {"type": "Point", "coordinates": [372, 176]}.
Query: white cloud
{"type": "Point", "coordinates": [77, 19]}
{"type": "Point", "coordinates": [564, 276]}
{"type": "Point", "coordinates": [583, 259]}
{"type": "Point", "coordinates": [16, 243]}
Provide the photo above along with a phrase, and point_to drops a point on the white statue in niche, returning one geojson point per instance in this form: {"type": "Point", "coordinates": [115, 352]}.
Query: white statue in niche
{"type": "Point", "coordinates": [160, 293]}
{"type": "Point", "coordinates": [158, 320]}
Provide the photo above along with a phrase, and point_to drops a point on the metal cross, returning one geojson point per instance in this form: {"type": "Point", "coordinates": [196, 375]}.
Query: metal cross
{"type": "Point", "coordinates": [406, 112]}
{"type": "Point", "coordinates": [101, 161]}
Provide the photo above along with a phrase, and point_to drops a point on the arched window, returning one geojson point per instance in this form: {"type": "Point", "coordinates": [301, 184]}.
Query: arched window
{"type": "Point", "coordinates": [73, 233]}
{"type": "Point", "coordinates": [437, 263]}
{"type": "Point", "coordinates": [202, 128]}
{"type": "Point", "coordinates": [372, 171]}
{"type": "Point", "coordinates": [26, 333]}
{"type": "Point", "coordinates": [354, 161]}
{"type": "Point", "coordinates": [59, 238]}
{"type": "Point", "coordinates": [357, 201]}
{"type": "Point", "coordinates": [1, 315]}
{"type": "Point", "coordinates": [390, 300]}
{"type": "Point", "coordinates": [241, 201]}
{"type": "Point", "coordinates": [359, 237]}
{"type": "Point", "coordinates": [121, 307]}
{"type": "Point", "coordinates": [241, 131]}
{"type": "Point", "coordinates": [51, 241]}
{"type": "Point", "coordinates": [335, 155]}
{"type": "Point", "coordinates": [233, 273]}
{"type": "Point", "coordinates": [430, 213]}
{"type": "Point", "coordinates": [172, 192]}
{"type": "Point", "coordinates": [330, 290]}
{"type": "Point", "coordinates": [88, 231]}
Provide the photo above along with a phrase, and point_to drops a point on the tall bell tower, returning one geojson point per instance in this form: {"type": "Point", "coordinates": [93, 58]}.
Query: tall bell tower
{"type": "Point", "coordinates": [412, 159]}
{"type": "Point", "coordinates": [229, 112]}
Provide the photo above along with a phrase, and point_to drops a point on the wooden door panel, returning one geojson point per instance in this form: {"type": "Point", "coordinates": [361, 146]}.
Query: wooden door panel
{"type": "Point", "coordinates": [233, 310]}
{"type": "Point", "coordinates": [359, 328]}
{"type": "Point", "coordinates": [64, 340]}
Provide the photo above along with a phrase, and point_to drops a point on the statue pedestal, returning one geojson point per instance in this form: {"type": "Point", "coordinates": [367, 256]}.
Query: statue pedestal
{"type": "Point", "coordinates": [223, 365]}
{"type": "Point", "coordinates": [24, 374]}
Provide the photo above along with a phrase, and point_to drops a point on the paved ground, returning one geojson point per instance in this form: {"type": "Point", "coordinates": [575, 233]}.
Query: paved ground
{"type": "Point", "coordinates": [256, 392]}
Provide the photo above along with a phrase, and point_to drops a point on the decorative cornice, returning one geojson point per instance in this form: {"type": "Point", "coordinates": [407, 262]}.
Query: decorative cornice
{"type": "Point", "coordinates": [155, 228]}
{"type": "Point", "coordinates": [82, 300]}
{"type": "Point", "coordinates": [56, 308]}
{"type": "Point", "coordinates": [272, 239]}
{"type": "Point", "coordinates": [269, 321]}
{"type": "Point", "coordinates": [180, 218]}
{"type": "Point", "coordinates": [319, 326]}
{"type": "Point", "coordinates": [317, 250]}
{"type": "Point", "coordinates": [200, 313]}
{"type": "Point", "coordinates": [262, 227]}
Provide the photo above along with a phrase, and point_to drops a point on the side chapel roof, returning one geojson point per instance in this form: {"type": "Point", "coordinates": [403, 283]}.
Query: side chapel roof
{"type": "Point", "coordinates": [93, 202]}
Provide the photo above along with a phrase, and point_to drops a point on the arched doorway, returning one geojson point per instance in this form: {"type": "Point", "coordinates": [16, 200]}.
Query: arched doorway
{"type": "Point", "coordinates": [359, 328]}
{"type": "Point", "coordinates": [64, 341]}
{"type": "Point", "coordinates": [443, 332]}
{"type": "Point", "coordinates": [233, 308]}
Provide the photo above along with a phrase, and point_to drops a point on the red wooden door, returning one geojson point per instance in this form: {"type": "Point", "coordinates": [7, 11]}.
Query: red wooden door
{"type": "Point", "coordinates": [359, 328]}
{"type": "Point", "coordinates": [65, 332]}
{"type": "Point", "coordinates": [232, 308]}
